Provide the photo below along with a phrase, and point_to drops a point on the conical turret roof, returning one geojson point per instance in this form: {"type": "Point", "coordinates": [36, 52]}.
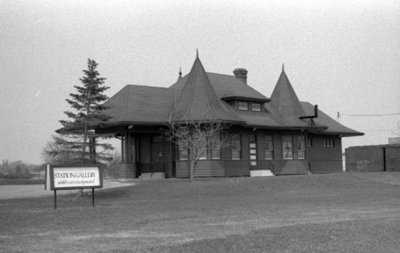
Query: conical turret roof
{"type": "Point", "coordinates": [285, 101]}
{"type": "Point", "coordinates": [198, 99]}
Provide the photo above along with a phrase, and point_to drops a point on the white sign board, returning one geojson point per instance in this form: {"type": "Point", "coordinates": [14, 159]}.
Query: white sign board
{"type": "Point", "coordinates": [70, 177]}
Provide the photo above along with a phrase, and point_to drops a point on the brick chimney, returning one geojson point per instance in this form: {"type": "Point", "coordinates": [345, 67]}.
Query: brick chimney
{"type": "Point", "coordinates": [241, 74]}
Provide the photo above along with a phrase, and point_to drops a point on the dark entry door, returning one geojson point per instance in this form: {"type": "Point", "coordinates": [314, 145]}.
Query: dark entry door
{"type": "Point", "coordinates": [157, 154]}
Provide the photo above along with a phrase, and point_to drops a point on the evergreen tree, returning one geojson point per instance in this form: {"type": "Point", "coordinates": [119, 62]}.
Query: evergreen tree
{"type": "Point", "coordinates": [78, 139]}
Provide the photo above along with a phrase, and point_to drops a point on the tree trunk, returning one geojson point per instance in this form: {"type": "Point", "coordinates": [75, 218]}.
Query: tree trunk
{"type": "Point", "coordinates": [192, 165]}
{"type": "Point", "coordinates": [85, 134]}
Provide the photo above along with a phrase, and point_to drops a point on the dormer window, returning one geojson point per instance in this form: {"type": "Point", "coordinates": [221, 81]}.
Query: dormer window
{"type": "Point", "coordinates": [256, 107]}
{"type": "Point", "coordinates": [243, 106]}
{"type": "Point", "coordinates": [249, 106]}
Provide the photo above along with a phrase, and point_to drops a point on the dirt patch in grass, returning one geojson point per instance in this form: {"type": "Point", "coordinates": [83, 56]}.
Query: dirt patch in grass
{"type": "Point", "coordinates": [363, 235]}
{"type": "Point", "coordinates": [392, 178]}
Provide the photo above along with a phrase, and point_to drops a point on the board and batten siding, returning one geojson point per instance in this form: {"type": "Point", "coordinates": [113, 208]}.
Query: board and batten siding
{"type": "Point", "coordinates": [363, 159]}
{"type": "Point", "coordinates": [206, 168]}
{"type": "Point", "coordinates": [392, 155]}
{"type": "Point", "coordinates": [324, 159]}
{"type": "Point", "coordinates": [373, 158]}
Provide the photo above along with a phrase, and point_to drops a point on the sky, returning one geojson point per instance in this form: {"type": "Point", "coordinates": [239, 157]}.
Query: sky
{"type": "Point", "coordinates": [342, 55]}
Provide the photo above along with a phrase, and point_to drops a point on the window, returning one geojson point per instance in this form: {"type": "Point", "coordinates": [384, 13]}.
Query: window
{"type": "Point", "coordinates": [243, 106]}
{"type": "Point", "coordinates": [183, 150]}
{"type": "Point", "coordinates": [215, 147]}
{"type": "Point", "coordinates": [290, 141]}
{"type": "Point", "coordinates": [256, 107]}
{"type": "Point", "coordinates": [328, 143]}
{"type": "Point", "coordinates": [200, 143]}
{"type": "Point", "coordinates": [287, 147]}
{"type": "Point", "coordinates": [309, 142]}
{"type": "Point", "coordinates": [269, 148]}
{"type": "Point", "coordinates": [207, 148]}
{"type": "Point", "coordinates": [235, 147]}
{"type": "Point", "coordinates": [301, 148]}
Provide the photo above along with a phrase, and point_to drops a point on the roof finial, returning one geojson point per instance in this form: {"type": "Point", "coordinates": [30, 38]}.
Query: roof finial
{"type": "Point", "coordinates": [180, 72]}
{"type": "Point", "coordinates": [197, 53]}
{"type": "Point", "coordinates": [283, 67]}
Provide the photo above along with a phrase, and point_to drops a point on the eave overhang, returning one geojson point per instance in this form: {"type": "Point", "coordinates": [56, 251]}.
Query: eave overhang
{"type": "Point", "coordinates": [232, 98]}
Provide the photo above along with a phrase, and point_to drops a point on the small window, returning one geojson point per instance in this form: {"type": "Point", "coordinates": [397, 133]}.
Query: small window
{"type": "Point", "coordinates": [309, 142]}
{"type": "Point", "coordinates": [287, 147]}
{"type": "Point", "coordinates": [256, 107]}
{"type": "Point", "coordinates": [235, 147]}
{"type": "Point", "coordinates": [215, 147]}
{"type": "Point", "coordinates": [328, 143]}
{"type": "Point", "coordinates": [199, 146]}
{"type": "Point", "coordinates": [269, 148]}
{"type": "Point", "coordinates": [183, 150]}
{"type": "Point", "coordinates": [301, 149]}
{"type": "Point", "coordinates": [243, 106]}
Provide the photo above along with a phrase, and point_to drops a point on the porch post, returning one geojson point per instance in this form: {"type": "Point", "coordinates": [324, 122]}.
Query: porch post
{"type": "Point", "coordinates": [122, 147]}
{"type": "Point", "coordinates": [128, 147]}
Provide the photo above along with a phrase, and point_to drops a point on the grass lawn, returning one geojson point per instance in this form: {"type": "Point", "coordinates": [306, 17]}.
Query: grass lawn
{"type": "Point", "coordinates": [315, 213]}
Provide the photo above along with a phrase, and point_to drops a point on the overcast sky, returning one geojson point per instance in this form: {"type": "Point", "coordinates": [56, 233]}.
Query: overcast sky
{"type": "Point", "coordinates": [342, 55]}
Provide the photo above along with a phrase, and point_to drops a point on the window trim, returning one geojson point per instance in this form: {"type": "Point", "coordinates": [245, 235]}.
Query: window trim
{"type": "Point", "coordinates": [183, 149]}
{"type": "Point", "coordinates": [268, 138]}
{"type": "Point", "coordinates": [209, 149]}
{"type": "Point", "coordinates": [289, 145]}
{"type": "Point", "coordinates": [253, 109]}
{"type": "Point", "coordinates": [241, 106]}
{"type": "Point", "coordinates": [301, 139]}
{"type": "Point", "coordinates": [295, 148]}
{"type": "Point", "coordinates": [236, 138]}
{"type": "Point", "coordinates": [328, 142]}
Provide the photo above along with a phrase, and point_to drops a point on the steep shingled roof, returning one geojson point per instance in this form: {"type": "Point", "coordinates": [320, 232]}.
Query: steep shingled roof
{"type": "Point", "coordinates": [286, 103]}
{"type": "Point", "coordinates": [197, 100]}
{"type": "Point", "coordinates": [332, 126]}
{"type": "Point", "coordinates": [200, 95]}
{"type": "Point", "coordinates": [140, 104]}
{"type": "Point", "coordinates": [227, 86]}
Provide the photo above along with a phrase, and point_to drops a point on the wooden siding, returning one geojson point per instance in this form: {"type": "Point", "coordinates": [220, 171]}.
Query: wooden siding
{"type": "Point", "coordinates": [326, 167]}
{"type": "Point", "coordinates": [318, 158]}
{"type": "Point", "coordinates": [203, 169]}
{"type": "Point", "coordinates": [392, 158]}
{"type": "Point", "coordinates": [291, 167]}
{"type": "Point", "coordinates": [373, 158]}
{"type": "Point", "coordinates": [237, 168]}
{"type": "Point", "coordinates": [365, 159]}
{"type": "Point", "coordinates": [323, 159]}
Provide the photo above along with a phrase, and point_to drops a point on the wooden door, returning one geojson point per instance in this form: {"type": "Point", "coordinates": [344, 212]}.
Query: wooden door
{"type": "Point", "coordinates": [157, 154]}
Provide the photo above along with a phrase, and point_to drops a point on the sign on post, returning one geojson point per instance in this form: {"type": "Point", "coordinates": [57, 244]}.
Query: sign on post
{"type": "Point", "coordinates": [67, 177]}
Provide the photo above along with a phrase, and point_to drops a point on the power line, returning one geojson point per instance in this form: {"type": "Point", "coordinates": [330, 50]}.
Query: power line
{"type": "Point", "coordinates": [339, 115]}
{"type": "Point", "coordinates": [368, 115]}
{"type": "Point", "coordinates": [383, 130]}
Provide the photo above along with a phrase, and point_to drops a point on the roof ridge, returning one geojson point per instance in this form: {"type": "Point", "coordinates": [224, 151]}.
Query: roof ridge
{"type": "Point", "coordinates": [147, 86]}
{"type": "Point", "coordinates": [191, 91]}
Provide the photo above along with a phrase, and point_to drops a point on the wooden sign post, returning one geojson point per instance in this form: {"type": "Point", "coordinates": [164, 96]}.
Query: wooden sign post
{"type": "Point", "coordinates": [68, 177]}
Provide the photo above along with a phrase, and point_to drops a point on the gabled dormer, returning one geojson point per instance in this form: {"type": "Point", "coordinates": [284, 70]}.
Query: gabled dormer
{"type": "Point", "coordinates": [242, 97]}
